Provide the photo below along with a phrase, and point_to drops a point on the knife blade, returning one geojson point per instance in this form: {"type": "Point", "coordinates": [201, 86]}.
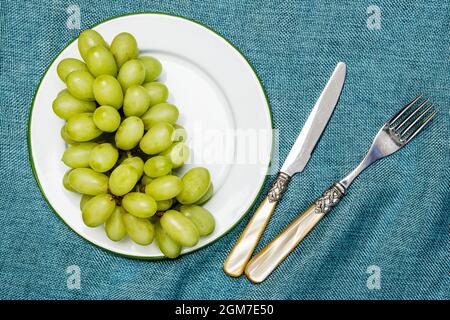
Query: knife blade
{"type": "Point", "coordinates": [314, 126]}
{"type": "Point", "coordinates": [295, 162]}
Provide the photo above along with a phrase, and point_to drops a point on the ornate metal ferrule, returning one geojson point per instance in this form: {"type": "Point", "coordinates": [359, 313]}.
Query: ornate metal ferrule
{"type": "Point", "coordinates": [279, 185]}
{"type": "Point", "coordinates": [329, 199]}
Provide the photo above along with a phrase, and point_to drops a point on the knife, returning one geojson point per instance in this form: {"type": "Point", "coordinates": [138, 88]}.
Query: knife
{"type": "Point", "coordinates": [295, 162]}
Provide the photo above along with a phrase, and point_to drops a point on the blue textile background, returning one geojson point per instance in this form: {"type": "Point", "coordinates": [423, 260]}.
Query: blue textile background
{"type": "Point", "coordinates": [396, 216]}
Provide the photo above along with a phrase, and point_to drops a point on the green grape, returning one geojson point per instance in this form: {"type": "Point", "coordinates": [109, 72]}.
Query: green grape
{"type": "Point", "coordinates": [164, 188]}
{"type": "Point", "coordinates": [195, 184]}
{"type": "Point", "coordinates": [177, 153]}
{"type": "Point", "coordinates": [124, 47]}
{"type": "Point", "coordinates": [107, 91]}
{"type": "Point", "coordinates": [88, 39]}
{"type": "Point", "coordinates": [77, 156]}
{"type": "Point", "coordinates": [66, 105]}
{"type": "Point", "coordinates": [157, 166]}
{"type": "Point", "coordinates": [146, 180]}
{"type": "Point", "coordinates": [157, 91]}
{"type": "Point", "coordinates": [164, 205]}
{"type": "Point", "coordinates": [206, 196]}
{"type": "Point", "coordinates": [123, 179]}
{"type": "Point", "coordinates": [179, 133]}
{"type": "Point", "coordinates": [169, 247]}
{"type": "Point", "coordinates": [66, 183]}
{"type": "Point", "coordinates": [136, 101]}
{"type": "Point", "coordinates": [202, 218]}
{"type": "Point", "coordinates": [115, 226]}
{"type": "Point", "coordinates": [103, 157]}
{"type": "Point", "coordinates": [68, 65]}
{"type": "Point", "coordinates": [129, 133]}
{"type": "Point", "coordinates": [98, 209]}
{"type": "Point", "coordinates": [180, 228]}
{"type": "Point", "coordinates": [152, 67]}
{"type": "Point", "coordinates": [65, 136]}
{"type": "Point", "coordinates": [100, 61]}
{"type": "Point", "coordinates": [84, 199]}
{"type": "Point", "coordinates": [80, 83]}
{"type": "Point", "coordinates": [136, 163]}
{"type": "Point", "coordinates": [139, 230]}
{"type": "Point", "coordinates": [162, 112]}
{"type": "Point", "coordinates": [87, 181]}
{"type": "Point", "coordinates": [107, 118]}
{"type": "Point", "coordinates": [81, 127]}
{"type": "Point", "coordinates": [157, 139]}
{"type": "Point", "coordinates": [139, 204]}
{"type": "Point", "coordinates": [132, 73]}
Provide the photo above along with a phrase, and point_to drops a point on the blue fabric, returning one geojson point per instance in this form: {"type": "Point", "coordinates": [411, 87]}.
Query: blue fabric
{"type": "Point", "coordinates": [395, 216]}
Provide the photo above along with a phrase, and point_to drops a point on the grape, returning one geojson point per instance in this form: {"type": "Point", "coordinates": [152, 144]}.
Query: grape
{"type": "Point", "coordinates": [157, 166]}
{"type": "Point", "coordinates": [180, 228]}
{"type": "Point", "coordinates": [123, 179]}
{"type": "Point", "coordinates": [100, 61]}
{"type": "Point", "coordinates": [115, 226]}
{"type": "Point", "coordinates": [179, 133]}
{"type": "Point", "coordinates": [146, 180]}
{"type": "Point", "coordinates": [81, 127]}
{"type": "Point", "coordinates": [157, 91]}
{"type": "Point", "coordinates": [107, 91]}
{"type": "Point", "coordinates": [206, 196]}
{"type": "Point", "coordinates": [107, 118]}
{"type": "Point", "coordinates": [136, 163]}
{"type": "Point", "coordinates": [164, 205]}
{"type": "Point", "coordinates": [136, 101]}
{"type": "Point", "coordinates": [84, 199]}
{"type": "Point", "coordinates": [131, 73]}
{"type": "Point", "coordinates": [68, 65]}
{"type": "Point", "coordinates": [177, 153]}
{"type": "Point", "coordinates": [98, 209]}
{"type": "Point", "coordinates": [87, 181]}
{"type": "Point", "coordinates": [139, 230]}
{"type": "Point", "coordinates": [139, 204]}
{"type": "Point", "coordinates": [103, 157]}
{"type": "Point", "coordinates": [195, 184]}
{"type": "Point", "coordinates": [162, 112]}
{"type": "Point", "coordinates": [152, 67]}
{"type": "Point", "coordinates": [124, 47]}
{"type": "Point", "coordinates": [67, 139]}
{"type": "Point", "coordinates": [77, 156]}
{"type": "Point", "coordinates": [169, 247]}
{"type": "Point", "coordinates": [88, 39]}
{"type": "Point", "coordinates": [158, 138]}
{"type": "Point", "coordinates": [66, 105]}
{"type": "Point", "coordinates": [129, 133]}
{"type": "Point", "coordinates": [164, 188]}
{"type": "Point", "coordinates": [66, 183]}
{"type": "Point", "coordinates": [202, 218]}
{"type": "Point", "coordinates": [80, 83]}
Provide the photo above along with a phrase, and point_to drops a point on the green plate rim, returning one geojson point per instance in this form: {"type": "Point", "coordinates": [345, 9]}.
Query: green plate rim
{"type": "Point", "coordinates": [30, 153]}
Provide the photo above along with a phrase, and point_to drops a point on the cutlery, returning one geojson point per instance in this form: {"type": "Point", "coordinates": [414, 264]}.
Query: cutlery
{"type": "Point", "coordinates": [394, 135]}
{"type": "Point", "coordinates": [295, 162]}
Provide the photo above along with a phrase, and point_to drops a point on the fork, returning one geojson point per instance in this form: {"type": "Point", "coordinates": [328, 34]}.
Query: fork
{"type": "Point", "coordinates": [395, 134]}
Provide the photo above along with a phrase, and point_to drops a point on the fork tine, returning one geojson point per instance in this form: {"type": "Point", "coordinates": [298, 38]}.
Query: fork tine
{"type": "Point", "coordinates": [418, 129]}
{"type": "Point", "coordinates": [412, 114]}
{"type": "Point", "coordinates": [420, 116]}
{"type": "Point", "coordinates": [403, 110]}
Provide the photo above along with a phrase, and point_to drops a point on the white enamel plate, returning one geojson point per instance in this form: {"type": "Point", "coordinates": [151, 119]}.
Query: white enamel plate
{"type": "Point", "coordinates": [222, 106]}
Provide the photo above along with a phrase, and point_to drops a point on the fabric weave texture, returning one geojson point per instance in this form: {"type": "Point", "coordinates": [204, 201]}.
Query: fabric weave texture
{"type": "Point", "coordinates": [395, 217]}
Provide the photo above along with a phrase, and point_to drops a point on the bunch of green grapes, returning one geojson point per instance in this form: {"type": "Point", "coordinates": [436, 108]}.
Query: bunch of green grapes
{"type": "Point", "coordinates": [124, 145]}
